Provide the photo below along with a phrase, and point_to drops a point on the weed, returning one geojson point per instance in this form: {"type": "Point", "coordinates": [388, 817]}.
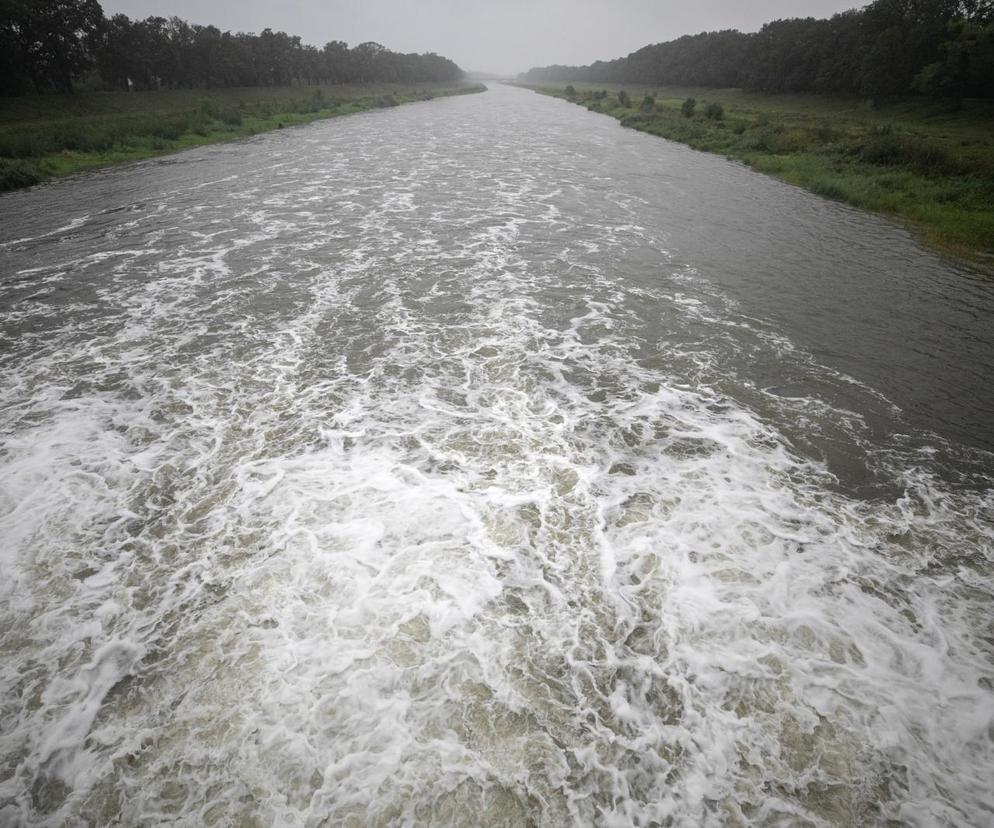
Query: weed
{"type": "Point", "coordinates": [828, 189]}
{"type": "Point", "coordinates": [17, 174]}
{"type": "Point", "coordinates": [714, 112]}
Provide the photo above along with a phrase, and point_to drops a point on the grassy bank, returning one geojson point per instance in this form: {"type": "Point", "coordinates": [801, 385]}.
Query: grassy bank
{"type": "Point", "coordinates": [927, 163]}
{"type": "Point", "coordinates": [52, 135]}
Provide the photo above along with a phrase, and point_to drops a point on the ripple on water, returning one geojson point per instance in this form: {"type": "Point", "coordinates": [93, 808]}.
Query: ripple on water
{"type": "Point", "coordinates": [398, 492]}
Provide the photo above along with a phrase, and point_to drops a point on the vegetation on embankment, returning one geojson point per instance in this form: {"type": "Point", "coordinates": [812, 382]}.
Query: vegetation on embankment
{"type": "Point", "coordinates": [929, 163]}
{"type": "Point", "coordinates": [42, 136]}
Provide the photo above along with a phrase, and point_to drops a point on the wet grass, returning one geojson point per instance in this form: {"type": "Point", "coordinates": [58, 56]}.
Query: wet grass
{"type": "Point", "coordinates": [928, 163]}
{"type": "Point", "coordinates": [44, 136]}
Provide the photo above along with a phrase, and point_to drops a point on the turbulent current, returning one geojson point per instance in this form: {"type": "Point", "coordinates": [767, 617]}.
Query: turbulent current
{"type": "Point", "coordinates": [480, 462]}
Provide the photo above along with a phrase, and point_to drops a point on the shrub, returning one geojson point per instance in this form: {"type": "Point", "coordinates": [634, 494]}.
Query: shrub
{"type": "Point", "coordinates": [767, 139]}
{"type": "Point", "coordinates": [889, 150]}
{"type": "Point", "coordinates": [779, 141]}
{"type": "Point", "coordinates": [688, 107]}
{"type": "Point", "coordinates": [624, 99]}
{"type": "Point", "coordinates": [648, 103]}
{"type": "Point", "coordinates": [763, 140]}
{"type": "Point", "coordinates": [828, 190]}
{"type": "Point", "coordinates": [305, 106]}
{"type": "Point", "coordinates": [25, 143]}
{"type": "Point", "coordinates": [882, 151]}
{"type": "Point", "coordinates": [714, 112]}
{"type": "Point", "coordinates": [570, 92]}
{"type": "Point", "coordinates": [83, 137]}
{"type": "Point", "coordinates": [16, 174]}
{"type": "Point", "coordinates": [230, 117]}
{"type": "Point", "coordinates": [930, 158]}
{"type": "Point", "coordinates": [168, 130]}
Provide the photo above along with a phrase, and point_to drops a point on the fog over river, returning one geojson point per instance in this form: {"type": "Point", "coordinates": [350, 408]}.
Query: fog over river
{"type": "Point", "coordinates": [480, 461]}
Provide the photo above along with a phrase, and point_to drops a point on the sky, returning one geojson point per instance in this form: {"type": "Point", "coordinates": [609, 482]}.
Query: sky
{"type": "Point", "coordinates": [501, 36]}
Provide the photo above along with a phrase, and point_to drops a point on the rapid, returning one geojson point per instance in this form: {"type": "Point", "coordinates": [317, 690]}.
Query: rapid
{"type": "Point", "coordinates": [482, 462]}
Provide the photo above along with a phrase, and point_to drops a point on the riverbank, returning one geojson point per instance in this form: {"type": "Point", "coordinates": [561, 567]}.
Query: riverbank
{"type": "Point", "coordinates": [46, 136]}
{"type": "Point", "coordinates": [926, 163]}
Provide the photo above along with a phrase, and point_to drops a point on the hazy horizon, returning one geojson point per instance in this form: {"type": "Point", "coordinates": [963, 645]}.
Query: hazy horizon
{"type": "Point", "coordinates": [505, 38]}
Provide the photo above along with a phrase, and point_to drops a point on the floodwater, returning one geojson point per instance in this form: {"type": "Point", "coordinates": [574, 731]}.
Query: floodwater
{"type": "Point", "coordinates": [482, 462]}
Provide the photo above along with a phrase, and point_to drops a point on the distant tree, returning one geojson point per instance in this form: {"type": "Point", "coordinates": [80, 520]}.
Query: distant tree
{"type": "Point", "coordinates": [624, 99]}
{"type": "Point", "coordinates": [649, 103]}
{"type": "Point", "coordinates": [50, 41]}
{"type": "Point", "coordinates": [966, 67]}
{"type": "Point", "coordinates": [335, 61]}
{"type": "Point", "coordinates": [888, 48]}
{"type": "Point", "coordinates": [688, 107]}
{"type": "Point", "coordinates": [979, 12]}
{"type": "Point", "coordinates": [368, 61]}
{"type": "Point", "coordinates": [570, 92]}
{"type": "Point", "coordinates": [48, 44]}
{"type": "Point", "coordinates": [14, 77]}
{"type": "Point", "coordinates": [206, 55]}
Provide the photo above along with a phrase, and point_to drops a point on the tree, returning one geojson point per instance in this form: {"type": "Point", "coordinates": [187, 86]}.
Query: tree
{"type": "Point", "coordinates": [52, 40]}
{"type": "Point", "coordinates": [336, 64]}
{"type": "Point", "coordinates": [206, 55]}
{"type": "Point", "coordinates": [47, 44]}
{"type": "Point", "coordinates": [966, 68]}
{"type": "Point", "coordinates": [14, 78]}
{"type": "Point", "coordinates": [891, 47]}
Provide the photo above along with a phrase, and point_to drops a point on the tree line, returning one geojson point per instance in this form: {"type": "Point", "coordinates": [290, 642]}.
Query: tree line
{"type": "Point", "coordinates": [53, 45]}
{"type": "Point", "coordinates": [941, 48]}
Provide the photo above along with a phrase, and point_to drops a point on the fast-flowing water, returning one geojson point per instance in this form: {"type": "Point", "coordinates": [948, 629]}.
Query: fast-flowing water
{"type": "Point", "coordinates": [482, 462]}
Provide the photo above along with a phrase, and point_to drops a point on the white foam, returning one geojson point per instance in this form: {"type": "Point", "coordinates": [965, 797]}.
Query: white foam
{"type": "Point", "coordinates": [411, 507]}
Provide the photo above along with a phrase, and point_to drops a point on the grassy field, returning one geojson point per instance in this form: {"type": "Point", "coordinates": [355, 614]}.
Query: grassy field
{"type": "Point", "coordinates": [928, 163]}
{"type": "Point", "coordinates": [52, 135]}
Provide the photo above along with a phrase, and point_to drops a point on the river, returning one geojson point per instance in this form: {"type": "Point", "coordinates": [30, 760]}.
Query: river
{"type": "Point", "coordinates": [480, 461]}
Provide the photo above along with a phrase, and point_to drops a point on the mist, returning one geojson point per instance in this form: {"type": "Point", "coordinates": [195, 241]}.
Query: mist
{"type": "Point", "coordinates": [504, 37]}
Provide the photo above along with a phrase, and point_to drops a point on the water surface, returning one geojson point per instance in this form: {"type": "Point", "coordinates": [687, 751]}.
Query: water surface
{"type": "Point", "coordinates": [483, 461]}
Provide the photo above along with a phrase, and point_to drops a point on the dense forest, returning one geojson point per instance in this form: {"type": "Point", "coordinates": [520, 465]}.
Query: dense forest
{"type": "Point", "coordinates": [54, 45]}
{"type": "Point", "coordinates": [941, 48]}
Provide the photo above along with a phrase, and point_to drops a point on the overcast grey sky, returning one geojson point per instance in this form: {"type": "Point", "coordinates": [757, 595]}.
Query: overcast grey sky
{"type": "Point", "coordinates": [506, 36]}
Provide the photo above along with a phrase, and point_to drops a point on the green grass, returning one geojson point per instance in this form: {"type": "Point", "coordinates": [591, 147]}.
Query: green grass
{"type": "Point", "coordinates": [43, 136]}
{"type": "Point", "coordinates": [927, 163]}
